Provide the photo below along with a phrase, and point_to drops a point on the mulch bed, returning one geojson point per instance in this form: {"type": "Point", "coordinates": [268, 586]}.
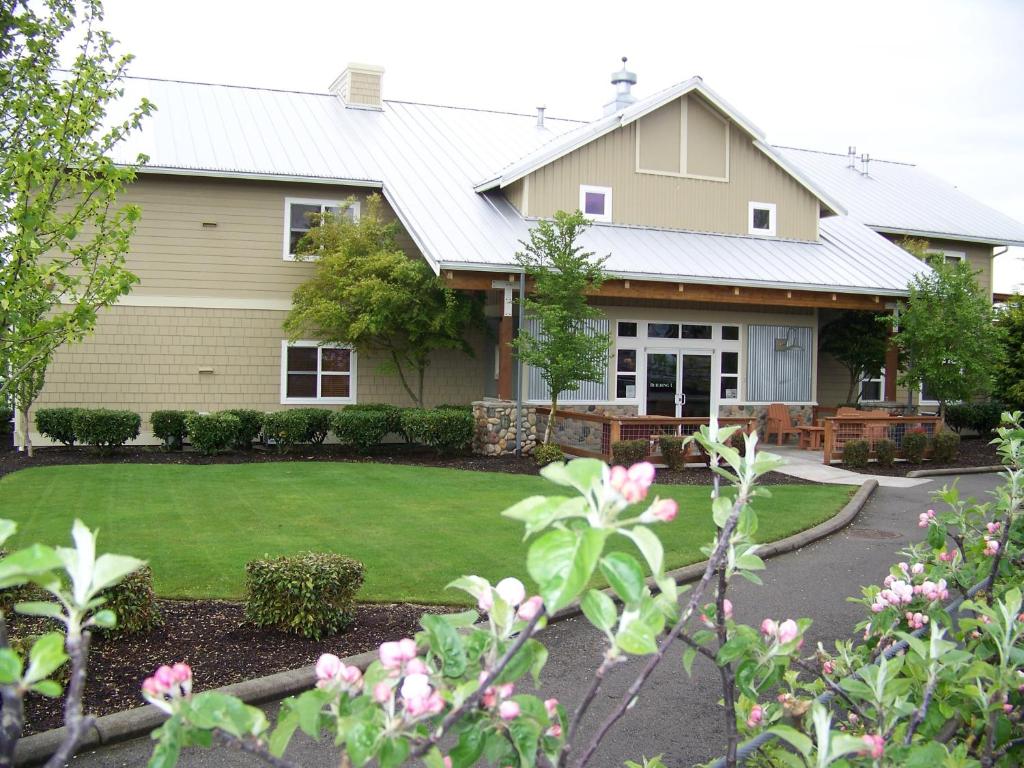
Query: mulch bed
{"type": "Point", "coordinates": [974, 452]}
{"type": "Point", "coordinates": [213, 638]}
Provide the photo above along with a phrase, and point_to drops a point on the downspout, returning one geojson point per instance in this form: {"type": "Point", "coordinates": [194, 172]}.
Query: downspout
{"type": "Point", "coordinates": [519, 372]}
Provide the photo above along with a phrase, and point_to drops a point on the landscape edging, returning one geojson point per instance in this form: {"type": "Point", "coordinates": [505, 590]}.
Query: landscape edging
{"type": "Point", "coordinates": [955, 471]}
{"type": "Point", "coordinates": [133, 723]}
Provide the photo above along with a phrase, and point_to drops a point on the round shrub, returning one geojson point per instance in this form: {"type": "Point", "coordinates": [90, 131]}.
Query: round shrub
{"type": "Point", "coordinates": [286, 428]}
{"type": "Point", "coordinates": [6, 423]}
{"type": "Point", "coordinates": [629, 452]}
{"type": "Point", "coordinates": [106, 429]}
{"type": "Point", "coordinates": [318, 424]}
{"type": "Point", "coordinates": [311, 595]}
{"type": "Point", "coordinates": [451, 407]}
{"type": "Point", "coordinates": [363, 429]}
{"type": "Point", "coordinates": [915, 442]}
{"type": "Point", "coordinates": [986, 417]}
{"type": "Point", "coordinates": [133, 602]}
{"type": "Point", "coordinates": [947, 446]}
{"type": "Point", "coordinates": [57, 424]}
{"type": "Point", "coordinates": [212, 432]}
{"type": "Point", "coordinates": [393, 414]}
{"type": "Point", "coordinates": [673, 452]}
{"type": "Point", "coordinates": [885, 452]}
{"type": "Point", "coordinates": [855, 453]}
{"type": "Point", "coordinates": [169, 426]}
{"type": "Point", "coordinates": [958, 416]}
{"type": "Point", "coordinates": [446, 431]}
{"type": "Point", "coordinates": [547, 453]}
{"type": "Point", "coordinates": [250, 424]}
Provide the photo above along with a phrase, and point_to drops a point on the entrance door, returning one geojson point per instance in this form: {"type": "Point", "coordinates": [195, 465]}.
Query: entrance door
{"type": "Point", "coordinates": [678, 384]}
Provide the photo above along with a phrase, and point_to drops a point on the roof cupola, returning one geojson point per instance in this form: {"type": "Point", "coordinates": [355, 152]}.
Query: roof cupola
{"type": "Point", "coordinates": [623, 80]}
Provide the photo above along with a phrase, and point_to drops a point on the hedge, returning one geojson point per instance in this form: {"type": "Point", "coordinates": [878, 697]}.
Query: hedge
{"type": "Point", "coordinates": [6, 423]}
{"type": "Point", "coordinates": [547, 453]}
{"type": "Point", "coordinates": [983, 418]}
{"type": "Point", "coordinates": [133, 602]}
{"type": "Point", "coordinates": [856, 453]}
{"type": "Point", "coordinates": [318, 424]}
{"type": "Point", "coordinates": [885, 452]}
{"type": "Point", "coordinates": [947, 446]}
{"type": "Point", "coordinates": [285, 428]}
{"type": "Point", "coordinates": [106, 429]}
{"type": "Point", "coordinates": [169, 426]}
{"type": "Point", "coordinates": [629, 452]}
{"type": "Point", "coordinates": [915, 442]}
{"type": "Point", "coordinates": [394, 414]}
{"type": "Point", "coordinates": [446, 431]}
{"type": "Point", "coordinates": [212, 432]}
{"type": "Point", "coordinates": [250, 424]}
{"type": "Point", "coordinates": [363, 428]}
{"type": "Point", "coordinates": [672, 451]}
{"type": "Point", "coordinates": [57, 424]}
{"type": "Point", "coordinates": [311, 595]}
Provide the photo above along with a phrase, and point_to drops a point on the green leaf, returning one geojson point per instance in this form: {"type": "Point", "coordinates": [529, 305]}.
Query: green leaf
{"type": "Point", "coordinates": [110, 569]}
{"type": "Point", "coordinates": [650, 547]}
{"type": "Point", "coordinates": [361, 743]}
{"type": "Point", "coordinates": [10, 666]}
{"type": "Point", "coordinates": [7, 529]}
{"type": "Point", "coordinates": [106, 619]}
{"type": "Point", "coordinates": [36, 559]}
{"type": "Point", "coordinates": [538, 512]}
{"type": "Point", "coordinates": [525, 734]}
{"type": "Point", "coordinates": [51, 689]}
{"type": "Point", "coordinates": [599, 610]}
{"type": "Point", "coordinates": [750, 562]}
{"type": "Point", "coordinates": [527, 658]}
{"type": "Point", "coordinates": [446, 644]}
{"type": "Point", "coordinates": [735, 647]}
{"type": "Point", "coordinates": [794, 738]}
{"type": "Point", "coordinates": [635, 636]}
{"type": "Point", "coordinates": [562, 562]}
{"type": "Point", "coordinates": [581, 474]}
{"type": "Point", "coordinates": [434, 758]}
{"type": "Point", "coordinates": [689, 654]}
{"type": "Point", "coordinates": [624, 575]}
{"type": "Point", "coordinates": [287, 722]}
{"type": "Point", "coordinates": [42, 608]}
{"type": "Point", "coordinates": [468, 748]}
{"type": "Point", "coordinates": [721, 508]}
{"type": "Point", "coordinates": [46, 655]}
{"type": "Point", "coordinates": [393, 753]}
{"type": "Point", "coordinates": [936, 536]}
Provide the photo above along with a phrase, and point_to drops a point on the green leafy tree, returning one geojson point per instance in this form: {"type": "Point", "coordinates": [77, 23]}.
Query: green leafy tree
{"type": "Point", "coordinates": [365, 291]}
{"type": "Point", "coordinates": [858, 341]}
{"type": "Point", "coordinates": [1010, 371]}
{"type": "Point", "coordinates": [63, 237]}
{"type": "Point", "coordinates": [948, 335]}
{"type": "Point", "coordinates": [565, 352]}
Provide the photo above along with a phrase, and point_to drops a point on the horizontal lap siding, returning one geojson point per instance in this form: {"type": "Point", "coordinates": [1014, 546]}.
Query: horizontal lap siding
{"type": "Point", "coordinates": [148, 358]}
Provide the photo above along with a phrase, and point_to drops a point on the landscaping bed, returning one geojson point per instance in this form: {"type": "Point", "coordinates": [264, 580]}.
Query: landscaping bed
{"type": "Point", "coordinates": [212, 637]}
{"type": "Point", "coordinates": [974, 452]}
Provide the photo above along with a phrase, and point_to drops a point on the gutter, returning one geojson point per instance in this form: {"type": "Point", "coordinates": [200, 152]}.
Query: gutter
{"type": "Point", "coordinates": [947, 236]}
{"type": "Point", "coordinates": [168, 171]}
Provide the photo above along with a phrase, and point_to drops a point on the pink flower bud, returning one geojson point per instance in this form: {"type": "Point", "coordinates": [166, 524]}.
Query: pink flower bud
{"type": "Point", "coordinates": [828, 667]}
{"type": "Point", "coordinates": [351, 676]}
{"type": "Point", "coordinates": [328, 666]}
{"type": "Point", "coordinates": [511, 590]}
{"type": "Point", "coordinates": [788, 631]}
{"type": "Point", "coordinates": [151, 688]}
{"type": "Point", "coordinates": [382, 693]}
{"type": "Point", "coordinates": [164, 677]}
{"type": "Point", "coordinates": [505, 690]}
{"type": "Point", "coordinates": [551, 705]}
{"type": "Point", "coordinates": [993, 527]}
{"type": "Point", "coordinates": [181, 672]}
{"type": "Point", "coordinates": [486, 601]}
{"type": "Point", "coordinates": [1007, 708]}
{"type": "Point", "coordinates": [642, 474]}
{"type": "Point", "coordinates": [875, 744]}
{"type": "Point", "coordinates": [769, 628]}
{"type": "Point", "coordinates": [555, 731]}
{"type": "Point", "coordinates": [394, 654]}
{"type": "Point", "coordinates": [447, 761]}
{"type": "Point", "coordinates": [917, 568]}
{"type": "Point", "coordinates": [416, 667]}
{"type": "Point", "coordinates": [756, 715]}
{"type": "Point", "coordinates": [727, 608]}
{"type": "Point", "coordinates": [854, 718]}
{"type": "Point", "coordinates": [508, 710]}
{"type": "Point", "coordinates": [661, 511]}
{"type": "Point", "coordinates": [415, 686]}
{"type": "Point", "coordinates": [530, 608]}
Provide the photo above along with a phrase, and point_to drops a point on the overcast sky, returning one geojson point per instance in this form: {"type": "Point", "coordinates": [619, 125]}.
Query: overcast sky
{"type": "Point", "coordinates": [934, 83]}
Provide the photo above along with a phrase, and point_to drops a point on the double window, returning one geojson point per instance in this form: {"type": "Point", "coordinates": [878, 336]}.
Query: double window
{"type": "Point", "coordinates": [311, 373]}
{"type": "Point", "coordinates": [872, 389]}
{"type": "Point", "coordinates": [301, 214]}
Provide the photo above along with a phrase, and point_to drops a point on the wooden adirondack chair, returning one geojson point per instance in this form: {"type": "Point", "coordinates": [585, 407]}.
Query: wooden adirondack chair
{"type": "Point", "coordinates": [780, 423]}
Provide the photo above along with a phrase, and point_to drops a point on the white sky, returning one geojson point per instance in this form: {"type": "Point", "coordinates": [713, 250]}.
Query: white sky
{"type": "Point", "coordinates": [934, 82]}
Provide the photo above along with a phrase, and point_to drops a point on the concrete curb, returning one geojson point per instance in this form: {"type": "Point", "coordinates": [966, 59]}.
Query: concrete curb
{"type": "Point", "coordinates": [955, 471]}
{"type": "Point", "coordinates": [132, 723]}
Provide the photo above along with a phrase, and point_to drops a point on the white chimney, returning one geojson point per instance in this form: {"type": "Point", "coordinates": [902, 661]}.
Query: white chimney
{"type": "Point", "coordinates": [623, 80]}
{"type": "Point", "coordinates": [540, 116]}
{"type": "Point", "coordinates": [360, 86]}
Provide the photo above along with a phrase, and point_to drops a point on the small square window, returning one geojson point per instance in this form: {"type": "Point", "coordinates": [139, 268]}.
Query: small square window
{"type": "Point", "coordinates": [596, 202]}
{"type": "Point", "coordinates": [696, 331]}
{"type": "Point", "coordinates": [627, 330]}
{"type": "Point", "coordinates": [311, 373]}
{"type": "Point", "coordinates": [730, 333]}
{"type": "Point", "coordinates": [627, 360]}
{"type": "Point", "coordinates": [761, 219]}
{"type": "Point", "coordinates": [730, 362]}
{"type": "Point", "coordinates": [663, 330]}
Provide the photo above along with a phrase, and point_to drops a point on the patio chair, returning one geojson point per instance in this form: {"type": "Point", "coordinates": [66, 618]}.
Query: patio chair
{"type": "Point", "coordinates": [780, 423]}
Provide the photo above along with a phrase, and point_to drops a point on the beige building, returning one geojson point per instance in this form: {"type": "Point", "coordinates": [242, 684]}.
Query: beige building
{"type": "Point", "coordinates": [726, 254]}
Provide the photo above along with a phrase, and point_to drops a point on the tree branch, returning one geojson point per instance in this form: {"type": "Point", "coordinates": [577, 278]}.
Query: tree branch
{"type": "Point", "coordinates": [76, 723]}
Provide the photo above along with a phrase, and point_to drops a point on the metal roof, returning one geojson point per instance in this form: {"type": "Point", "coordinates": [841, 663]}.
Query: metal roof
{"type": "Point", "coordinates": [903, 199]}
{"type": "Point", "coordinates": [427, 158]}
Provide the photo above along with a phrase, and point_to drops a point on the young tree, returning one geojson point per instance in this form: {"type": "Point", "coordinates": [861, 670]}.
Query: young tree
{"type": "Point", "coordinates": [62, 237]}
{"type": "Point", "coordinates": [857, 340]}
{"type": "Point", "coordinates": [948, 335]}
{"type": "Point", "coordinates": [366, 292]}
{"type": "Point", "coordinates": [1010, 372]}
{"type": "Point", "coordinates": [565, 352]}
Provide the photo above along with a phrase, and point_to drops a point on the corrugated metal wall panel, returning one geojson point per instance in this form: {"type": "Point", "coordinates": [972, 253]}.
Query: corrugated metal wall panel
{"type": "Point", "coordinates": [537, 388]}
{"type": "Point", "coordinates": [779, 363]}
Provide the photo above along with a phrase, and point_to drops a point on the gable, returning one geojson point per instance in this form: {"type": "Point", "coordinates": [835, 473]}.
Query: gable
{"type": "Point", "coordinates": [686, 137]}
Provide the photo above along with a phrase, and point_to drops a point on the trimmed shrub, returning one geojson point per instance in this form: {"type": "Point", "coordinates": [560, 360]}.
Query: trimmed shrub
{"type": "Point", "coordinates": [450, 407]}
{"type": "Point", "coordinates": [212, 432]}
{"type": "Point", "coordinates": [446, 431]}
{"type": "Point", "coordinates": [959, 416]}
{"type": "Point", "coordinates": [673, 452]}
{"type": "Point", "coordinates": [363, 429]}
{"type": "Point", "coordinates": [856, 453]}
{"type": "Point", "coordinates": [629, 452]}
{"type": "Point", "coordinates": [547, 453]}
{"type": "Point", "coordinates": [311, 595]}
{"type": "Point", "coordinates": [318, 424]}
{"type": "Point", "coordinates": [57, 424]}
{"type": "Point", "coordinates": [285, 428]}
{"type": "Point", "coordinates": [985, 417]}
{"type": "Point", "coordinates": [6, 423]}
{"type": "Point", "coordinates": [170, 427]}
{"type": "Point", "coordinates": [106, 429]}
{"type": "Point", "coordinates": [947, 446]}
{"type": "Point", "coordinates": [915, 442]}
{"type": "Point", "coordinates": [885, 452]}
{"type": "Point", "coordinates": [394, 414]}
{"type": "Point", "coordinates": [250, 424]}
{"type": "Point", "coordinates": [133, 602]}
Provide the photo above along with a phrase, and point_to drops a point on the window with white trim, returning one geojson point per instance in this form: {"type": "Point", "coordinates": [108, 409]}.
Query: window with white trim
{"type": "Point", "coordinates": [872, 388]}
{"type": "Point", "coordinates": [311, 373]}
{"type": "Point", "coordinates": [950, 257]}
{"type": "Point", "coordinates": [596, 202]}
{"type": "Point", "coordinates": [301, 214]}
{"type": "Point", "coordinates": [761, 219]}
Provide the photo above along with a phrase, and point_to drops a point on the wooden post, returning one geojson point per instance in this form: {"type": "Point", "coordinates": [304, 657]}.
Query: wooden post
{"type": "Point", "coordinates": [828, 439]}
{"type": "Point", "coordinates": [892, 366]}
{"type": "Point", "coordinates": [614, 436]}
{"type": "Point", "coordinates": [505, 366]}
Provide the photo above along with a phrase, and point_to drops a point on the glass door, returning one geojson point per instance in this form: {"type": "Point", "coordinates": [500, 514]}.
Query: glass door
{"type": "Point", "coordinates": [696, 385]}
{"type": "Point", "coordinates": [662, 383]}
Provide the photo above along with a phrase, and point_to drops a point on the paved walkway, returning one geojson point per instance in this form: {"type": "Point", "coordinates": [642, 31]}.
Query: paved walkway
{"type": "Point", "coordinates": [676, 716]}
{"type": "Point", "coordinates": [809, 465]}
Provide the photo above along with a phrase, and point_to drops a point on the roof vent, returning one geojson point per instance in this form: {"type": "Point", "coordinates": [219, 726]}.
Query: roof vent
{"type": "Point", "coordinates": [864, 160]}
{"type": "Point", "coordinates": [360, 86]}
{"type": "Point", "coordinates": [851, 156]}
{"type": "Point", "coordinates": [623, 80]}
{"type": "Point", "coordinates": [540, 117]}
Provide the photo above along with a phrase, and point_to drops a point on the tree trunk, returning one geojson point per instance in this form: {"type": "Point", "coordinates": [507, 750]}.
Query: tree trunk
{"type": "Point", "coordinates": [551, 419]}
{"type": "Point", "coordinates": [421, 372]}
{"type": "Point", "coordinates": [26, 438]}
{"type": "Point", "coordinates": [417, 401]}
{"type": "Point", "coordinates": [852, 389]}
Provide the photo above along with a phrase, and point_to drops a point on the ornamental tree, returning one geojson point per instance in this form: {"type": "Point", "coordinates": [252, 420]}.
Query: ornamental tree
{"type": "Point", "coordinates": [365, 291]}
{"type": "Point", "coordinates": [1010, 371]}
{"type": "Point", "coordinates": [565, 352]}
{"type": "Point", "coordinates": [948, 335]}
{"type": "Point", "coordinates": [858, 341]}
{"type": "Point", "coordinates": [63, 238]}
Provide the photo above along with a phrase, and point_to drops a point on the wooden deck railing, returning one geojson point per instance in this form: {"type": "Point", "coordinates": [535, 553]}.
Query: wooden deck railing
{"type": "Point", "coordinates": [591, 434]}
{"type": "Point", "coordinates": [841, 429]}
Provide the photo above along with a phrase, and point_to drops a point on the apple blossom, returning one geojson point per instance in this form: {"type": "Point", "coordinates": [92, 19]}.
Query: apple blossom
{"type": "Point", "coordinates": [419, 696]}
{"type": "Point", "coordinates": [382, 693]}
{"type": "Point", "coordinates": [555, 731]}
{"type": "Point", "coordinates": [769, 628]}
{"type": "Point", "coordinates": [416, 666]}
{"type": "Point", "coordinates": [925, 518]}
{"type": "Point", "coordinates": [946, 556]}
{"type": "Point", "coordinates": [828, 667]}
{"type": "Point", "coordinates": [633, 483]}
{"type": "Point", "coordinates": [991, 547]}
{"type": "Point", "coordinates": [486, 601]}
{"type": "Point", "coordinates": [167, 686]}
{"type": "Point", "coordinates": [917, 569]}
{"type": "Point", "coordinates": [788, 631]}
{"type": "Point", "coordinates": [530, 608]}
{"type": "Point", "coordinates": [756, 715]}
{"type": "Point", "coordinates": [511, 590]}
{"type": "Point", "coordinates": [331, 672]}
{"type": "Point", "coordinates": [661, 511]}
{"type": "Point", "coordinates": [394, 654]}
{"type": "Point", "coordinates": [327, 666]}
{"type": "Point", "coordinates": [447, 761]}
{"type": "Point", "coordinates": [993, 527]}
{"type": "Point", "coordinates": [875, 743]}
{"type": "Point", "coordinates": [727, 608]}
{"type": "Point", "coordinates": [508, 710]}
{"type": "Point", "coordinates": [551, 705]}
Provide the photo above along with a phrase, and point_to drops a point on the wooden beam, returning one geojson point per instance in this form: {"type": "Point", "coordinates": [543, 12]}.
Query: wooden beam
{"type": "Point", "coordinates": [892, 366]}
{"type": "Point", "coordinates": [505, 368]}
{"type": "Point", "coordinates": [722, 294]}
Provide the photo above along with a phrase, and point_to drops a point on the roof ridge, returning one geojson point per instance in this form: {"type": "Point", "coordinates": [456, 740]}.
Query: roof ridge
{"type": "Point", "coordinates": [484, 109]}
{"type": "Point", "coordinates": [842, 154]}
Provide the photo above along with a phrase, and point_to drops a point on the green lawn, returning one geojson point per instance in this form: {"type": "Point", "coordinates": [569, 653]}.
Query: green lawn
{"type": "Point", "coordinates": [415, 528]}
